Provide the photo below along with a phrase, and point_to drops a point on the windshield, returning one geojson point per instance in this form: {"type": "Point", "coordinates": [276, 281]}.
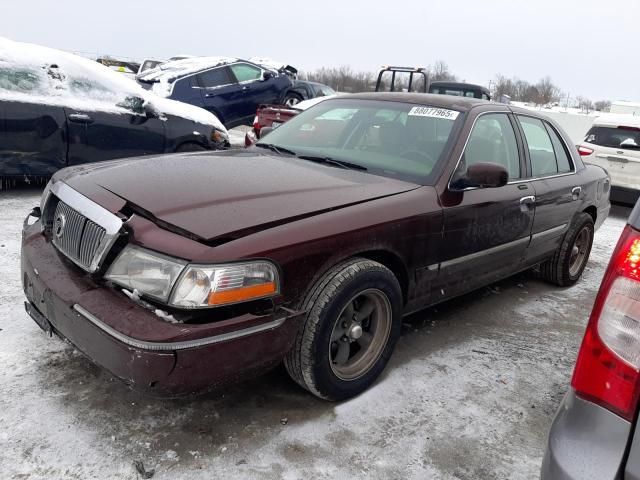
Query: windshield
{"type": "Point", "coordinates": [620, 137]}
{"type": "Point", "coordinates": [393, 139]}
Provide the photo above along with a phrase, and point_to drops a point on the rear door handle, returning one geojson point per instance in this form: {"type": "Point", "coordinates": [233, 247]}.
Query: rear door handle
{"type": "Point", "coordinates": [209, 95]}
{"type": "Point", "coordinates": [245, 88]}
{"type": "Point", "coordinates": [80, 118]}
{"type": "Point", "coordinates": [526, 203]}
{"type": "Point", "coordinates": [575, 193]}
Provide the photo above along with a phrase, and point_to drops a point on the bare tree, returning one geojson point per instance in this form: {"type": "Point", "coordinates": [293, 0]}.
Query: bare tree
{"type": "Point", "coordinates": [547, 91]}
{"type": "Point", "coordinates": [440, 71]}
{"type": "Point", "coordinates": [504, 86]}
{"type": "Point", "coordinates": [602, 106]}
{"type": "Point", "coordinates": [584, 104]}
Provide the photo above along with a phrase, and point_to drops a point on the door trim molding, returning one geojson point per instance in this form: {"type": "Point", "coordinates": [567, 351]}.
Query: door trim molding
{"type": "Point", "coordinates": [488, 251]}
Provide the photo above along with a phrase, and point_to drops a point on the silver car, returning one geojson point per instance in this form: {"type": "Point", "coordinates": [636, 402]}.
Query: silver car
{"type": "Point", "coordinates": [594, 434]}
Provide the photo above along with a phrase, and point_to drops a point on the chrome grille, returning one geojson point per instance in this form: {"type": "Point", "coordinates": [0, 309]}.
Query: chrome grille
{"type": "Point", "coordinates": [75, 235]}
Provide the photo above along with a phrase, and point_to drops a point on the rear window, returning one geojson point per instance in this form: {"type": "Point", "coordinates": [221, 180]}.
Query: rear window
{"type": "Point", "coordinates": [20, 79]}
{"type": "Point", "coordinates": [615, 137]}
{"type": "Point", "coordinates": [214, 78]}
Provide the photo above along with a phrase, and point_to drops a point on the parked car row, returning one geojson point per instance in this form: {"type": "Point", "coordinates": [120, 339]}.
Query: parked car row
{"type": "Point", "coordinates": [230, 88]}
{"type": "Point", "coordinates": [58, 110]}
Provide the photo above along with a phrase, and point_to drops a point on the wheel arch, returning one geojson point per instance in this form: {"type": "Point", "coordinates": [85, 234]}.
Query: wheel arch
{"type": "Point", "coordinates": [394, 263]}
{"type": "Point", "coordinates": [593, 211]}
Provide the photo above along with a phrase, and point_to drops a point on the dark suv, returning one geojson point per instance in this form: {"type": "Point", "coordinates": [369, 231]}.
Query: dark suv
{"type": "Point", "coordinates": [229, 88]}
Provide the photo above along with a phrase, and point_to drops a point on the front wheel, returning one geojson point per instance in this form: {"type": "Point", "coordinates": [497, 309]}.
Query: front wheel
{"type": "Point", "coordinates": [570, 259]}
{"type": "Point", "coordinates": [350, 330]}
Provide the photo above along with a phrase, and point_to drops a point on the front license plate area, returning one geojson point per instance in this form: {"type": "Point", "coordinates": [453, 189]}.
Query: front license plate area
{"type": "Point", "coordinates": [40, 319]}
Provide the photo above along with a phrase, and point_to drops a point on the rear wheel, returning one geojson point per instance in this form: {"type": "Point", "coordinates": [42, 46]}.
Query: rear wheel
{"type": "Point", "coordinates": [350, 331]}
{"type": "Point", "coordinates": [569, 261]}
{"type": "Point", "coordinates": [292, 99]}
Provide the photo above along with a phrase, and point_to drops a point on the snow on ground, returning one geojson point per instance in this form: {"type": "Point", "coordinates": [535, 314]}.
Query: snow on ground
{"type": "Point", "coordinates": [469, 394]}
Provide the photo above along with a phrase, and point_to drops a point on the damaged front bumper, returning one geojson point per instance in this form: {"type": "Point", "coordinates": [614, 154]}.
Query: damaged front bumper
{"type": "Point", "coordinates": [146, 352]}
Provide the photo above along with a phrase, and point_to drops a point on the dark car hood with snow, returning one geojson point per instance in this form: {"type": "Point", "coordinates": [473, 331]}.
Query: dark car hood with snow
{"type": "Point", "coordinates": [231, 194]}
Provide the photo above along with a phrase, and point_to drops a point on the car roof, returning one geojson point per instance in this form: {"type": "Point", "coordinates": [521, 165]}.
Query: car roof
{"type": "Point", "coordinates": [462, 104]}
{"type": "Point", "coordinates": [186, 66]}
{"type": "Point", "coordinates": [617, 120]}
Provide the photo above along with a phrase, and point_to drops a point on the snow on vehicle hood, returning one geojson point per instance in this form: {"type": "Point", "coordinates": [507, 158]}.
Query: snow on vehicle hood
{"type": "Point", "coordinates": [35, 74]}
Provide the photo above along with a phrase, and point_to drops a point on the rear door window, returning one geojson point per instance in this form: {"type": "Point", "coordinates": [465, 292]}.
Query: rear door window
{"type": "Point", "coordinates": [20, 80]}
{"type": "Point", "coordinates": [245, 72]}
{"type": "Point", "coordinates": [541, 153]}
{"type": "Point", "coordinates": [216, 77]}
{"type": "Point", "coordinates": [559, 148]}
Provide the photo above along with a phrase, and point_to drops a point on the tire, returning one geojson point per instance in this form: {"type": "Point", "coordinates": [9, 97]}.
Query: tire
{"type": "Point", "coordinates": [291, 99]}
{"type": "Point", "coordinates": [316, 361]}
{"type": "Point", "coordinates": [190, 147]}
{"type": "Point", "coordinates": [562, 268]}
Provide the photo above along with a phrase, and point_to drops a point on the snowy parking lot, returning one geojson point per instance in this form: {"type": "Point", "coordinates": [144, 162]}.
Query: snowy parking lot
{"type": "Point", "coordinates": [469, 393]}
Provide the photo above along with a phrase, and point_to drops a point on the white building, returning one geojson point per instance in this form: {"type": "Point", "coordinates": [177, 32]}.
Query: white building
{"type": "Point", "coordinates": [631, 108]}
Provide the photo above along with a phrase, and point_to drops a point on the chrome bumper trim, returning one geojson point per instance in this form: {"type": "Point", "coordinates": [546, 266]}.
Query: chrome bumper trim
{"type": "Point", "coordinates": [164, 346]}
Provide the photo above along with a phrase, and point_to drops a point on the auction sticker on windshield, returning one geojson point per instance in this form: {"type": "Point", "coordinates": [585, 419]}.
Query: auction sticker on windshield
{"type": "Point", "coordinates": [434, 113]}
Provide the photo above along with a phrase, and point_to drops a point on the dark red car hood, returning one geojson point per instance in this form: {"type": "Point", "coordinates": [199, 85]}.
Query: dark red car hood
{"type": "Point", "coordinates": [230, 194]}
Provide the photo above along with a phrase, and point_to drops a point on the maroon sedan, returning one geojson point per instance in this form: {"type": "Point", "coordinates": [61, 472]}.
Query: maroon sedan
{"type": "Point", "coordinates": [181, 272]}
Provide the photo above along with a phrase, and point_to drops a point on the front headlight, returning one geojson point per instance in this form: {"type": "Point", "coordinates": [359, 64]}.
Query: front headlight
{"type": "Point", "coordinates": [211, 286]}
{"type": "Point", "coordinates": [149, 272]}
{"type": "Point", "coordinates": [219, 137]}
{"type": "Point", "coordinates": [193, 286]}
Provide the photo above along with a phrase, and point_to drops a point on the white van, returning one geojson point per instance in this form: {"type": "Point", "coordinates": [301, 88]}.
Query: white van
{"type": "Point", "coordinates": [613, 142]}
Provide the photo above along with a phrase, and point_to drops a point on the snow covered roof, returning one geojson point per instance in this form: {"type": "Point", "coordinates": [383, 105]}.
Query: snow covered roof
{"type": "Point", "coordinates": [617, 120]}
{"type": "Point", "coordinates": [179, 68]}
{"type": "Point", "coordinates": [36, 74]}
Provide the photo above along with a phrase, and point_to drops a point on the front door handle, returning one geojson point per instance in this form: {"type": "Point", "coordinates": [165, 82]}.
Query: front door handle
{"type": "Point", "coordinates": [80, 118]}
{"type": "Point", "coordinates": [527, 203]}
{"type": "Point", "coordinates": [209, 95]}
{"type": "Point", "coordinates": [245, 88]}
{"type": "Point", "coordinates": [575, 193]}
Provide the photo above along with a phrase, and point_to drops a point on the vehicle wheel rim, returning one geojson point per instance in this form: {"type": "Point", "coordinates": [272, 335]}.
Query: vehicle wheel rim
{"type": "Point", "coordinates": [291, 101]}
{"type": "Point", "coordinates": [579, 251]}
{"type": "Point", "coordinates": [360, 334]}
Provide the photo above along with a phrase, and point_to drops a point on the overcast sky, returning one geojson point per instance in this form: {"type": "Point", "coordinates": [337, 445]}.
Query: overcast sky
{"type": "Point", "coordinates": [588, 47]}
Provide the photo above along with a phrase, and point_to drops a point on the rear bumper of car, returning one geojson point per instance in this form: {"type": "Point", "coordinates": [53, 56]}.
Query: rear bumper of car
{"type": "Point", "coordinates": [625, 195]}
{"type": "Point", "coordinates": [623, 175]}
{"type": "Point", "coordinates": [132, 342]}
{"type": "Point", "coordinates": [586, 442]}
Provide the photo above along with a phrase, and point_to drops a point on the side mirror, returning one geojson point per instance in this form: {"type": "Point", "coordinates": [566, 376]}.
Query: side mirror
{"type": "Point", "coordinates": [482, 175]}
{"type": "Point", "coordinates": [267, 74]}
{"type": "Point", "coordinates": [265, 131]}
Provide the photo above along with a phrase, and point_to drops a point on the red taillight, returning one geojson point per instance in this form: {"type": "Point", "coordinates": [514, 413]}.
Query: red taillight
{"type": "Point", "coordinates": [584, 151]}
{"type": "Point", "coordinates": [608, 367]}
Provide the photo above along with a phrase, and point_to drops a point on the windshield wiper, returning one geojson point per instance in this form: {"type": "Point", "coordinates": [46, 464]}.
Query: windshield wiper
{"type": "Point", "coordinates": [333, 161]}
{"type": "Point", "coordinates": [275, 148]}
